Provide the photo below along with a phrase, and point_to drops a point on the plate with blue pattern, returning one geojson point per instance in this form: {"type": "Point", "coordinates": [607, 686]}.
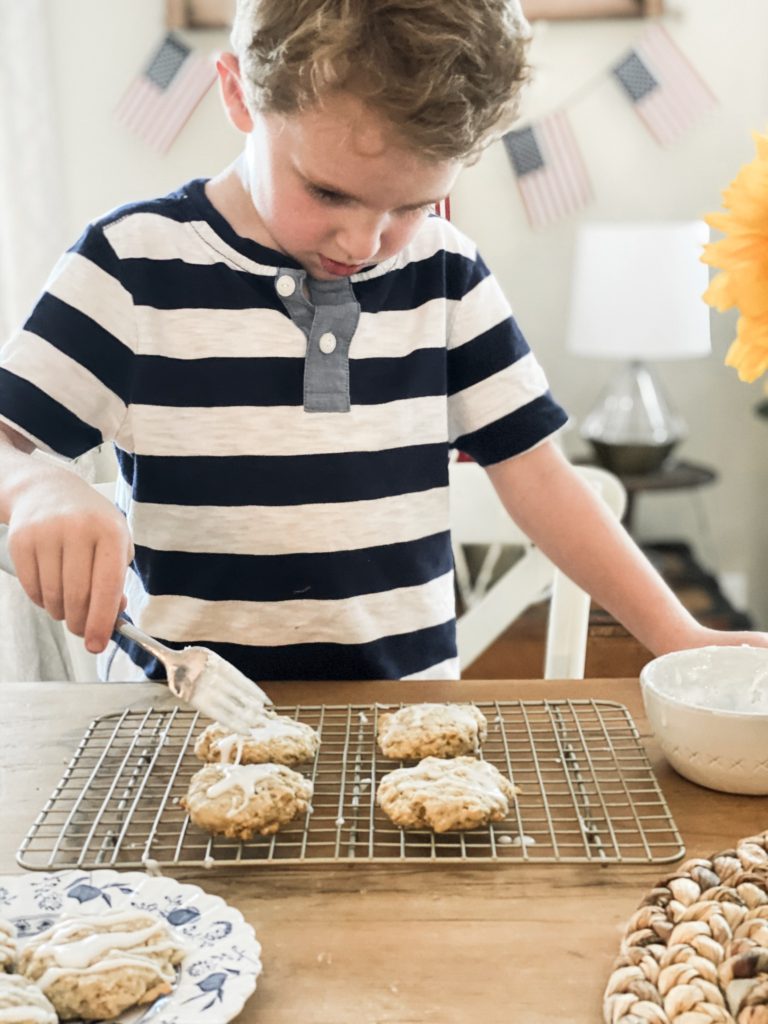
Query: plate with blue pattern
{"type": "Point", "coordinates": [223, 960]}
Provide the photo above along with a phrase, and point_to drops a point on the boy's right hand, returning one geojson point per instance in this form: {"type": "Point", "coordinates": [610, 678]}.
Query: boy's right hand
{"type": "Point", "coordinates": [71, 548]}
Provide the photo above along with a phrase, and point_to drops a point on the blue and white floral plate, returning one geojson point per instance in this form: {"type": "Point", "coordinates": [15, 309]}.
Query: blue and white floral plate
{"type": "Point", "coordinates": [224, 960]}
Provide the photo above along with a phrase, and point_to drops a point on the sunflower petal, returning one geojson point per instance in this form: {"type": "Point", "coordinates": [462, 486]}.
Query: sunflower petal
{"type": "Point", "coordinates": [741, 256]}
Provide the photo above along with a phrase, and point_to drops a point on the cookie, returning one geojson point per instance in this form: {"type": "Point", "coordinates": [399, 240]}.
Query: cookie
{"type": "Point", "coordinates": [431, 730]}
{"type": "Point", "coordinates": [7, 945]}
{"type": "Point", "coordinates": [96, 967]}
{"type": "Point", "coordinates": [276, 738]}
{"type": "Point", "coordinates": [445, 795]}
{"type": "Point", "coordinates": [22, 1002]}
{"type": "Point", "coordinates": [238, 801]}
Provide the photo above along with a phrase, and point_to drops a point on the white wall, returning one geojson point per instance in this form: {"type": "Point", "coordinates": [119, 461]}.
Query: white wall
{"type": "Point", "coordinates": [635, 179]}
{"type": "Point", "coordinates": [99, 46]}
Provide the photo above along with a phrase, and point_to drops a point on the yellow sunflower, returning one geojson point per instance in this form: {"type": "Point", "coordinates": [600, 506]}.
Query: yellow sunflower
{"type": "Point", "coordinates": [742, 259]}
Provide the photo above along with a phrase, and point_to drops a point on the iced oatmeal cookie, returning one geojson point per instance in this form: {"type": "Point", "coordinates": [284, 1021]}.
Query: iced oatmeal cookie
{"type": "Point", "coordinates": [431, 730]}
{"type": "Point", "coordinates": [7, 945]}
{"type": "Point", "coordinates": [22, 1002]}
{"type": "Point", "coordinates": [276, 738]}
{"type": "Point", "coordinates": [239, 800]}
{"type": "Point", "coordinates": [459, 793]}
{"type": "Point", "coordinates": [96, 967]}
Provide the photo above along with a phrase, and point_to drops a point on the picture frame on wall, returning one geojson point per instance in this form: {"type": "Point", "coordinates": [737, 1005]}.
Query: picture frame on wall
{"type": "Point", "coordinates": [216, 14]}
{"type": "Point", "coordinates": [199, 13]}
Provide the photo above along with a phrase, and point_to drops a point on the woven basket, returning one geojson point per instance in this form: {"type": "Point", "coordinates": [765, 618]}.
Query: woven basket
{"type": "Point", "coordinates": [696, 950]}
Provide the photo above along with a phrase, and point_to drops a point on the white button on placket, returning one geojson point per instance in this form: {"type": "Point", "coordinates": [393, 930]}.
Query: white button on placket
{"type": "Point", "coordinates": [327, 342]}
{"type": "Point", "coordinates": [285, 286]}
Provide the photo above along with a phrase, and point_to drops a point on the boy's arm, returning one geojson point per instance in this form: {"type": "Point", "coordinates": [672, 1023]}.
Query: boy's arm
{"type": "Point", "coordinates": [70, 546]}
{"type": "Point", "coordinates": [569, 522]}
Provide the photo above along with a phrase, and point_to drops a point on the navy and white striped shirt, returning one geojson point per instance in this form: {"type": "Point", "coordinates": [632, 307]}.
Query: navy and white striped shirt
{"type": "Point", "coordinates": [283, 443]}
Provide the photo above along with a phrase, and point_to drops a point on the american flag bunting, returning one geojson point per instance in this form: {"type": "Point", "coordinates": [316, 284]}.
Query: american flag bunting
{"type": "Point", "coordinates": [158, 104]}
{"type": "Point", "coordinates": [664, 88]}
{"type": "Point", "coordinates": [549, 169]}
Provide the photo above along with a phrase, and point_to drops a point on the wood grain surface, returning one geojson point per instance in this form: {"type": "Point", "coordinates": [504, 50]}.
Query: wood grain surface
{"type": "Point", "coordinates": [356, 944]}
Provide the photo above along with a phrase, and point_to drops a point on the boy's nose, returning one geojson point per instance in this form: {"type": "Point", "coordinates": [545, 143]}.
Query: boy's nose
{"type": "Point", "coordinates": [360, 240]}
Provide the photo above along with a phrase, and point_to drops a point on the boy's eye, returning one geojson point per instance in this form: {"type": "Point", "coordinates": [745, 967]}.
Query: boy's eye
{"type": "Point", "coordinates": [418, 211]}
{"type": "Point", "coordinates": [326, 195]}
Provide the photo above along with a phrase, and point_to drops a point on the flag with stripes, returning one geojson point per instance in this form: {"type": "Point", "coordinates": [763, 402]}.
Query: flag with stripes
{"type": "Point", "coordinates": [664, 88]}
{"type": "Point", "coordinates": [157, 105]}
{"type": "Point", "coordinates": [549, 168]}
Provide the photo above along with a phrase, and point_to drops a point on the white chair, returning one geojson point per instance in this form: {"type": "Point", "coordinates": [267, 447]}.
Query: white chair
{"type": "Point", "coordinates": [479, 518]}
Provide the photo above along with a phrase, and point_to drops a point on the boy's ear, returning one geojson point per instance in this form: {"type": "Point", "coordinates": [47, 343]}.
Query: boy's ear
{"type": "Point", "coordinates": [232, 93]}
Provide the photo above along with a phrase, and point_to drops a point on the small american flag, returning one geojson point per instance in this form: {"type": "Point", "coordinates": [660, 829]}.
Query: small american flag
{"type": "Point", "coordinates": [550, 172]}
{"type": "Point", "coordinates": [157, 105]}
{"type": "Point", "coordinates": [443, 208]}
{"type": "Point", "coordinates": [666, 91]}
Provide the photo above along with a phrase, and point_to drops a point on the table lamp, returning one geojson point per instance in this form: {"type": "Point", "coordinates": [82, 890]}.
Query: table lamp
{"type": "Point", "coordinates": [636, 297]}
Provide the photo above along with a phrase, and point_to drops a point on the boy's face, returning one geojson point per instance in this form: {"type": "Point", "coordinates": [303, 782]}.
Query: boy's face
{"type": "Point", "coordinates": [333, 188]}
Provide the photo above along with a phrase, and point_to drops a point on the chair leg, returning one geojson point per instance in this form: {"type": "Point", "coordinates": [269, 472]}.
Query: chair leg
{"type": "Point", "coordinates": [567, 628]}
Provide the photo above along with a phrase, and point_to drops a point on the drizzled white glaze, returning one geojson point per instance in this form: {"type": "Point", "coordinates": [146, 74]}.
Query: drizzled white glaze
{"type": "Point", "coordinates": [227, 744]}
{"type": "Point", "coordinates": [111, 943]}
{"type": "Point", "coordinates": [70, 952]}
{"type": "Point", "coordinates": [445, 794]}
{"type": "Point", "coordinates": [453, 779]}
{"type": "Point", "coordinates": [242, 777]}
{"type": "Point", "coordinates": [7, 943]}
{"type": "Point", "coordinates": [27, 1014]}
{"type": "Point", "coordinates": [270, 727]}
{"type": "Point", "coordinates": [418, 714]}
{"type": "Point", "coordinates": [441, 730]}
{"type": "Point", "coordinates": [22, 1002]}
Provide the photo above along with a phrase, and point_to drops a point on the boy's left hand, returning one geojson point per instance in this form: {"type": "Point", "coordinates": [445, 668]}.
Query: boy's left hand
{"type": "Point", "coordinates": [701, 636]}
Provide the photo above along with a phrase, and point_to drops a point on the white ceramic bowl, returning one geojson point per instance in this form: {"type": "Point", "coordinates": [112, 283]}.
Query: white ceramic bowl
{"type": "Point", "coordinates": [708, 708]}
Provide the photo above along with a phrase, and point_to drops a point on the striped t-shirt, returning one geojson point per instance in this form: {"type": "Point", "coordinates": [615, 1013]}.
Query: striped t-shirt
{"type": "Point", "coordinates": [283, 443]}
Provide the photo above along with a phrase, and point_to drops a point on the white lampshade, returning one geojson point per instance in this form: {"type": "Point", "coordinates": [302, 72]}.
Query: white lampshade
{"type": "Point", "coordinates": [637, 291]}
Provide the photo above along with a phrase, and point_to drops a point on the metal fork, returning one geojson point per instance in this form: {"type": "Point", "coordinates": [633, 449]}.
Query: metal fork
{"type": "Point", "coordinates": [202, 678]}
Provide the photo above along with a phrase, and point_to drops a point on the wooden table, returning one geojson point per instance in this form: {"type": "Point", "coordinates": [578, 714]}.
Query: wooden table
{"type": "Point", "coordinates": [399, 945]}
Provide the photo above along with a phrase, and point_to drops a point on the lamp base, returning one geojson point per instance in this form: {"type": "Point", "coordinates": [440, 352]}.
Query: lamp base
{"type": "Point", "coordinates": [633, 428]}
{"type": "Point", "coordinates": [631, 459]}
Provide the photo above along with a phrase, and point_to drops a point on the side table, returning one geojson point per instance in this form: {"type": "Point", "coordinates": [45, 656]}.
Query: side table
{"type": "Point", "coordinates": [671, 477]}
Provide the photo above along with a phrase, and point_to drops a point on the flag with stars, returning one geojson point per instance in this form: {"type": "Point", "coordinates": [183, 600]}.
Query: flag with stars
{"type": "Point", "coordinates": [549, 169]}
{"type": "Point", "coordinates": [664, 88]}
{"type": "Point", "coordinates": [157, 105]}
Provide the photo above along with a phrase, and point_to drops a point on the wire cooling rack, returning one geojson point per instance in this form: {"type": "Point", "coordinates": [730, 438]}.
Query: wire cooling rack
{"type": "Point", "coordinates": [587, 794]}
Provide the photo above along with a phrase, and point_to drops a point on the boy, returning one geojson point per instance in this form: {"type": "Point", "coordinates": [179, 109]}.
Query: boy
{"type": "Point", "coordinates": [283, 356]}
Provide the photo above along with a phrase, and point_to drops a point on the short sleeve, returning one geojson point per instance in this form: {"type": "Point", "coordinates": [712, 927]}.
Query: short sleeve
{"type": "Point", "coordinates": [499, 403]}
{"type": "Point", "coordinates": [65, 377]}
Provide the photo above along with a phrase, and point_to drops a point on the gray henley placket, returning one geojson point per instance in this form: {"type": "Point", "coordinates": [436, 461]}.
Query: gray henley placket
{"type": "Point", "coordinates": [328, 316]}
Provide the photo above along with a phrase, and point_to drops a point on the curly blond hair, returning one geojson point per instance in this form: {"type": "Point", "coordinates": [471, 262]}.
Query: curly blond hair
{"type": "Point", "coordinates": [445, 73]}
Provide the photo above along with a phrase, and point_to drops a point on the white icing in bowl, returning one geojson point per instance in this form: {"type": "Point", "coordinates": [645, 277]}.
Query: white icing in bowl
{"type": "Point", "coordinates": [708, 708]}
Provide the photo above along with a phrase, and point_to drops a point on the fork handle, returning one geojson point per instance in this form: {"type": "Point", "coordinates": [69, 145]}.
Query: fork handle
{"type": "Point", "coordinates": [144, 640]}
